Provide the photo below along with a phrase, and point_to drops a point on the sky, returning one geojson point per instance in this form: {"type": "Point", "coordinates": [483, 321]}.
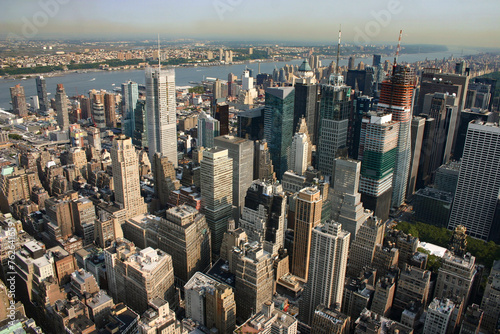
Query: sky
{"type": "Point", "coordinates": [444, 22]}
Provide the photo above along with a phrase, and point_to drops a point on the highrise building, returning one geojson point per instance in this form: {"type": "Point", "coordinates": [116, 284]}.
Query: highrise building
{"type": "Point", "coordinates": [413, 286]}
{"type": "Point", "coordinates": [377, 150]}
{"type": "Point", "coordinates": [263, 166]}
{"type": "Point", "coordinates": [217, 192]}
{"type": "Point", "coordinates": [347, 208]}
{"type": "Point", "coordinates": [329, 320]}
{"type": "Point", "coordinates": [208, 130]}
{"type": "Point", "coordinates": [253, 268]}
{"type": "Point", "coordinates": [478, 181]}
{"type": "Point", "coordinates": [140, 132]}
{"type": "Point", "coordinates": [62, 105]}
{"type": "Point", "coordinates": [490, 303]}
{"type": "Point", "coordinates": [455, 276]}
{"type": "Point", "coordinates": [306, 98]}
{"type": "Point", "coordinates": [211, 303]}
{"type": "Point", "coordinates": [41, 90]}
{"type": "Point", "coordinates": [327, 268]}
{"type": "Point", "coordinates": [362, 251]}
{"type": "Point", "coordinates": [109, 110]}
{"type": "Point", "coordinates": [384, 295]}
{"type": "Point", "coordinates": [165, 180]}
{"type": "Point", "coordinates": [278, 125]}
{"type": "Point", "coordinates": [333, 122]}
{"type": "Point", "coordinates": [242, 152]}
{"type": "Point", "coordinates": [264, 214]}
{"type": "Point", "coordinates": [221, 113]}
{"type": "Point", "coordinates": [83, 212]}
{"type": "Point", "coordinates": [18, 99]}
{"type": "Point", "coordinates": [185, 233]}
{"type": "Point", "coordinates": [439, 316]}
{"type": "Point", "coordinates": [98, 112]}
{"type": "Point", "coordinates": [270, 320]}
{"type": "Point", "coordinates": [136, 276]}
{"type": "Point", "coordinates": [159, 318]}
{"type": "Point", "coordinates": [126, 177]}
{"type": "Point", "coordinates": [396, 97]}
{"type": "Point", "coordinates": [94, 138]}
{"type": "Point", "coordinates": [130, 94]}
{"type": "Point", "coordinates": [417, 135]}
{"type": "Point", "coordinates": [161, 113]}
{"type": "Point", "coordinates": [301, 150]}
{"type": "Point", "coordinates": [307, 217]}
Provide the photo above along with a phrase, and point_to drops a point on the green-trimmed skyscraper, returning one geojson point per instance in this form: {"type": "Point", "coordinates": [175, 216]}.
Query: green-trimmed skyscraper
{"type": "Point", "coordinates": [377, 150]}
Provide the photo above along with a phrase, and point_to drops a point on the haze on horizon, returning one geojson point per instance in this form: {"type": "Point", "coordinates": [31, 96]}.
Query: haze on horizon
{"type": "Point", "coordinates": [442, 22]}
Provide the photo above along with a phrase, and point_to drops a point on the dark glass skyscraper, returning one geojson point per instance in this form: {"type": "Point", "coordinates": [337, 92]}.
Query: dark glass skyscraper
{"type": "Point", "coordinates": [333, 122]}
{"type": "Point", "coordinates": [41, 90]}
{"type": "Point", "coordinates": [278, 125]}
{"type": "Point", "coordinates": [306, 97]}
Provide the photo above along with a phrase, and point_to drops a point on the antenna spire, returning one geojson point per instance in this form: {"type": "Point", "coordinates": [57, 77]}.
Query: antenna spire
{"type": "Point", "coordinates": [159, 57]}
{"type": "Point", "coordinates": [398, 48]}
{"type": "Point", "coordinates": [338, 51]}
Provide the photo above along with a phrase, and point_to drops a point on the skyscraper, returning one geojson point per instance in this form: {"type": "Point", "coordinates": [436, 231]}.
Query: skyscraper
{"type": "Point", "coordinates": [94, 138]}
{"type": "Point", "coordinates": [263, 166]}
{"type": "Point", "coordinates": [306, 97]}
{"type": "Point", "coordinates": [299, 153]}
{"type": "Point", "coordinates": [308, 216]}
{"type": "Point", "coordinates": [41, 90]}
{"type": "Point", "coordinates": [241, 151]}
{"type": "Point", "coordinates": [377, 150]}
{"type": "Point", "coordinates": [347, 208]}
{"type": "Point", "coordinates": [362, 251]}
{"type": "Point", "coordinates": [333, 122]}
{"type": "Point", "coordinates": [98, 113]}
{"type": "Point", "coordinates": [264, 214]}
{"type": "Point", "coordinates": [478, 181]}
{"type": "Point", "coordinates": [327, 267]}
{"type": "Point", "coordinates": [109, 110]}
{"type": "Point", "coordinates": [278, 125]}
{"type": "Point", "coordinates": [126, 177]}
{"type": "Point", "coordinates": [130, 94]}
{"type": "Point", "coordinates": [62, 105]}
{"type": "Point", "coordinates": [140, 131]}
{"type": "Point", "coordinates": [217, 192]}
{"type": "Point", "coordinates": [208, 129]}
{"type": "Point", "coordinates": [18, 100]}
{"type": "Point", "coordinates": [396, 97]}
{"type": "Point", "coordinates": [161, 113]}
{"type": "Point", "coordinates": [211, 303]}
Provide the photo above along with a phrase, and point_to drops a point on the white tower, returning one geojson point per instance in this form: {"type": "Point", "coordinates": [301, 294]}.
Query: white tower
{"type": "Point", "coordinates": [161, 113]}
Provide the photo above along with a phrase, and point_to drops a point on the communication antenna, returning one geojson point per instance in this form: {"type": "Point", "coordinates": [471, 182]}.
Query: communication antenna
{"type": "Point", "coordinates": [398, 48]}
{"type": "Point", "coordinates": [338, 51]}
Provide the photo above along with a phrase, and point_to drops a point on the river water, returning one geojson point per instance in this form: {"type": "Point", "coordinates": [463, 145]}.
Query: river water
{"type": "Point", "coordinates": [81, 83]}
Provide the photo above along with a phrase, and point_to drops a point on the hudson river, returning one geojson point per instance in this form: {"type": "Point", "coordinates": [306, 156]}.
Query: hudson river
{"type": "Point", "coordinates": [81, 83]}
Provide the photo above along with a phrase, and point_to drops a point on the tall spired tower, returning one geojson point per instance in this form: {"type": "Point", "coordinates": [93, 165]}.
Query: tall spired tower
{"type": "Point", "coordinates": [161, 112]}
